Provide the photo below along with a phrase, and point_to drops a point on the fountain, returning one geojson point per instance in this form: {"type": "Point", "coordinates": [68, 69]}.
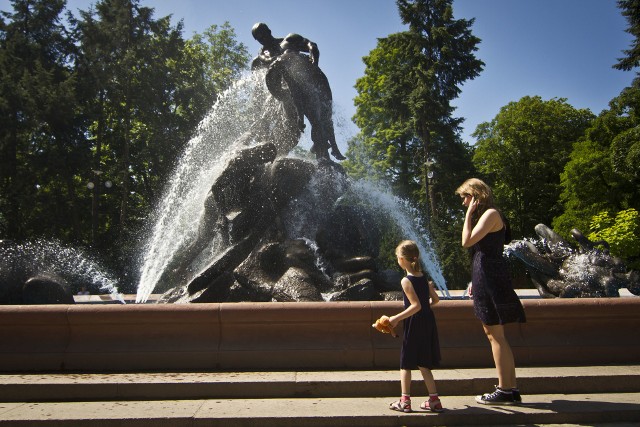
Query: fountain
{"type": "Point", "coordinates": [48, 272]}
{"type": "Point", "coordinates": [247, 216]}
{"type": "Point", "coordinates": [557, 269]}
{"type": "Point", "coordinates": [245, 220]}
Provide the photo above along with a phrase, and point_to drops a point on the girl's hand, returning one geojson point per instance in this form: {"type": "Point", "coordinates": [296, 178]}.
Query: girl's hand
{"type": "Point", "coordinates": [470, 290]}
{"type": "Point", "coordinates": [393, 321]}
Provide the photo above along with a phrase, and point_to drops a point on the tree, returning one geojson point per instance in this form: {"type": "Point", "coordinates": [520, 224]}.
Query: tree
{"type": "Point", "coordinates": [148, 89]}
{"type": "Point", "coordinates": [443, 59]}
{"type": "Point", "coordinates": [38, 136]}
{"type": "Point", "coordinates": [223, 59]}
{"type": "Point", "coordinates": [117, 42]}
{"type": "Point", "coordinates": [600, 176]}
{"type": "Point", "coordinates": [385, 121]}
{"type": "Point", "coordinates": [631, 11]}
{"type": "Point", "coordinates": [404, 111]}
{"type": "Point", "coordinates": [523, 151]}
{"type": "Point", "coordinates": [622, 234]}
{"type": "Point", "coordinates": [403, 106]}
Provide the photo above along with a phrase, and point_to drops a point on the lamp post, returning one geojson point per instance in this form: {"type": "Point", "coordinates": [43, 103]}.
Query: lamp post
{"type": "Point", "coordinates": [429, 186]}
{"type": "Point", "coordinates": [94, 186]}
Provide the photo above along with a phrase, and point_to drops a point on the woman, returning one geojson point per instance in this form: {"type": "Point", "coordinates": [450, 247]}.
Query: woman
{"type": "Point", "coordinates": [494, 300]}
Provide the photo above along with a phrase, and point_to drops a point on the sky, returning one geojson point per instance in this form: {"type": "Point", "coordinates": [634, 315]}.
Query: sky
{"type": "Point", "coordinates": [546, 48]}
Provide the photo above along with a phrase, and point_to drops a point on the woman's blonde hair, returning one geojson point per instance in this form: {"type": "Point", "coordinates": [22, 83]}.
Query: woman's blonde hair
{"type": "Point", "coordinates": [480, 191]}
{"type": "Point", "coordinates": [408, 249]}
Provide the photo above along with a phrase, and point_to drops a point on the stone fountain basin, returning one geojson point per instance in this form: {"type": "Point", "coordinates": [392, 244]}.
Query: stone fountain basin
{"type": "Point", "coordinates": [313, 336]}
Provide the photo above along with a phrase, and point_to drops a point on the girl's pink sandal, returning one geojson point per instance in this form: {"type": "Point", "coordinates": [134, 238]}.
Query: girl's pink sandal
{"type": "Point", "coordinates": [401, 406]}
{"type": "Point", "coordinates": [432, 405]}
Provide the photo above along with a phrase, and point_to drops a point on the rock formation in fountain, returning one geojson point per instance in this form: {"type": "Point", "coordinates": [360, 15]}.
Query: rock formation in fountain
{"type": "Point", "coordinates": [557, 269]}
{"type": "Point", "coordinates": [256, 205]}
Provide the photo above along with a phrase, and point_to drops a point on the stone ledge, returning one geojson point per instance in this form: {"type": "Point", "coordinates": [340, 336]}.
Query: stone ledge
{"type": "Point", "coordinates": [315, 336]}
{"type": "Point", "coordinates": [64, 387]}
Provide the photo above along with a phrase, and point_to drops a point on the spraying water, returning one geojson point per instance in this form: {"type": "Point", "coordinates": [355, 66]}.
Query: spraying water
{"type": "Point", "coordinates": [181, 210]}
{"type": "Point", "coordinates": [406, 217]}
{"type": "Point", "coordinates": [41, 257]}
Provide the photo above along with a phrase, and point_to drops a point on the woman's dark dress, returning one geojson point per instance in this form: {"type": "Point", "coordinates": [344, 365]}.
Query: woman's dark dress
{"type": "Point", "coordinates": [420, 345]}
{"type": "Point", "coordinates": [494, 300]}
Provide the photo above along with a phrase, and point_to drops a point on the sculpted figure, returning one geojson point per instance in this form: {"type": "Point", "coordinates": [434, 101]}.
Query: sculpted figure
{"type": "Point", "coordinates": [271, 46]}
{"type": "Point", "coordinates": [557, 269]}
{"type": "Point", "coordinates": [294, 78]}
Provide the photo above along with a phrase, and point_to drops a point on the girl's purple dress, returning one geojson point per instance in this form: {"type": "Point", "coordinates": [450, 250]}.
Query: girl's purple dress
{"type": "Point", "coordinates": [420, 345]}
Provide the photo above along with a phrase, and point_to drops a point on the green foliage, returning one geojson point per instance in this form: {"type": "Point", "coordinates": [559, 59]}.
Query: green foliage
{"type": "Point", "coordinates": [106, 100]}
{"type": "Point", "coordinates": [454, 259]}
{"type": "Point", "coordinates": [625, 153]}
{"type": "Point", "coordinates": [385, 143]}
{"type": "Point", "coordinates": [600, 175]}
{"type": "Point", "coordinates": [630, 9]}
{"type": "Point", "coordinates": [390, 236]}
{"type": "Point", "coordinates": [220, 56]}
{"type": "Point", "coordinates": [403, 106]}
{"type": "Point", "coordinates": [404, 111]}
{"type": "Point", "coordinates": [523, 151]}
{"type": "Point", "coordinates": [621, 232]}
{"type": "Point", "coordinates": [38, 131]}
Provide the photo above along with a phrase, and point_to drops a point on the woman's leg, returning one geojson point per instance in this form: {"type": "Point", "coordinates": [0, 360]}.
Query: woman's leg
{"type": "Point", "coordinates": [502, 356]}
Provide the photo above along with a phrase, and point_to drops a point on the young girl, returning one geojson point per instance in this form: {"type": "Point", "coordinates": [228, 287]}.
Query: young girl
{"type": "Point", "coordinates": [420, 345]}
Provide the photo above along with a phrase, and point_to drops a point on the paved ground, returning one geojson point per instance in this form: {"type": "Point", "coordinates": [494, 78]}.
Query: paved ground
{"type": "Point", "coordinates": [461, 410]}
{"type": "Point", "coordinates": [556, 396]}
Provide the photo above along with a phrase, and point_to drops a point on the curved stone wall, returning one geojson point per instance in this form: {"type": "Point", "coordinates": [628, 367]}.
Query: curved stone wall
{"type": "Point", "coordinates": [314, 336]}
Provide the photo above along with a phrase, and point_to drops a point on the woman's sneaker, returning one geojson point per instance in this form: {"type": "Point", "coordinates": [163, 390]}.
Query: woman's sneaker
{"type": "Point", "coordinates": [516, 396]}
{"type": "Point", "coordinates": [498, 397]}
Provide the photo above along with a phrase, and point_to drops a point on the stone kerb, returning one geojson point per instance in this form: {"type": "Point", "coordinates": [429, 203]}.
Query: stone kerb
{"type": "Point", "coordinates": [578, 331]}
{"type": "Point", "coordinates": [259, 336]}
{"type": "Point", "coordinates": [572, 331]}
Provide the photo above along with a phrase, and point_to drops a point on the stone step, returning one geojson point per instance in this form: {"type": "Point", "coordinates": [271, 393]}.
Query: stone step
{"type": "Point", "coordinates": [323, 384]}
{"type": "Point", "coordinates": [566, 409]}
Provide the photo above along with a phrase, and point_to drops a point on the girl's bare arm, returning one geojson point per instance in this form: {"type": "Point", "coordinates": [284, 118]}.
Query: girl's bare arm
{"type": "Point", "coordinates": [414, 303]}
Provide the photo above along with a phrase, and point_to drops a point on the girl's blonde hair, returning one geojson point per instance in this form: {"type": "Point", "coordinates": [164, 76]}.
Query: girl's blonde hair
{"type": "Point", "coordinates": [408, 249]}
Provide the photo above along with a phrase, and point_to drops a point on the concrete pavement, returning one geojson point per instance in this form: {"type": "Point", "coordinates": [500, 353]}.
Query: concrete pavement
{"type": "Point", "coordinates": [352, 412]}
{"type": "Point", "coordinates": [591, 395]}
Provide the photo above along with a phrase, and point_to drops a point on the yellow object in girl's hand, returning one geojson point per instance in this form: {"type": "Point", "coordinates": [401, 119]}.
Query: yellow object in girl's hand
{"type": "Point", "coordinates": [384, 325]}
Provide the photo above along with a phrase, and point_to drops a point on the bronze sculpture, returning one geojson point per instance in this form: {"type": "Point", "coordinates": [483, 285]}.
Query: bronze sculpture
{"type": "Point", "coordinates": [294, 78]}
